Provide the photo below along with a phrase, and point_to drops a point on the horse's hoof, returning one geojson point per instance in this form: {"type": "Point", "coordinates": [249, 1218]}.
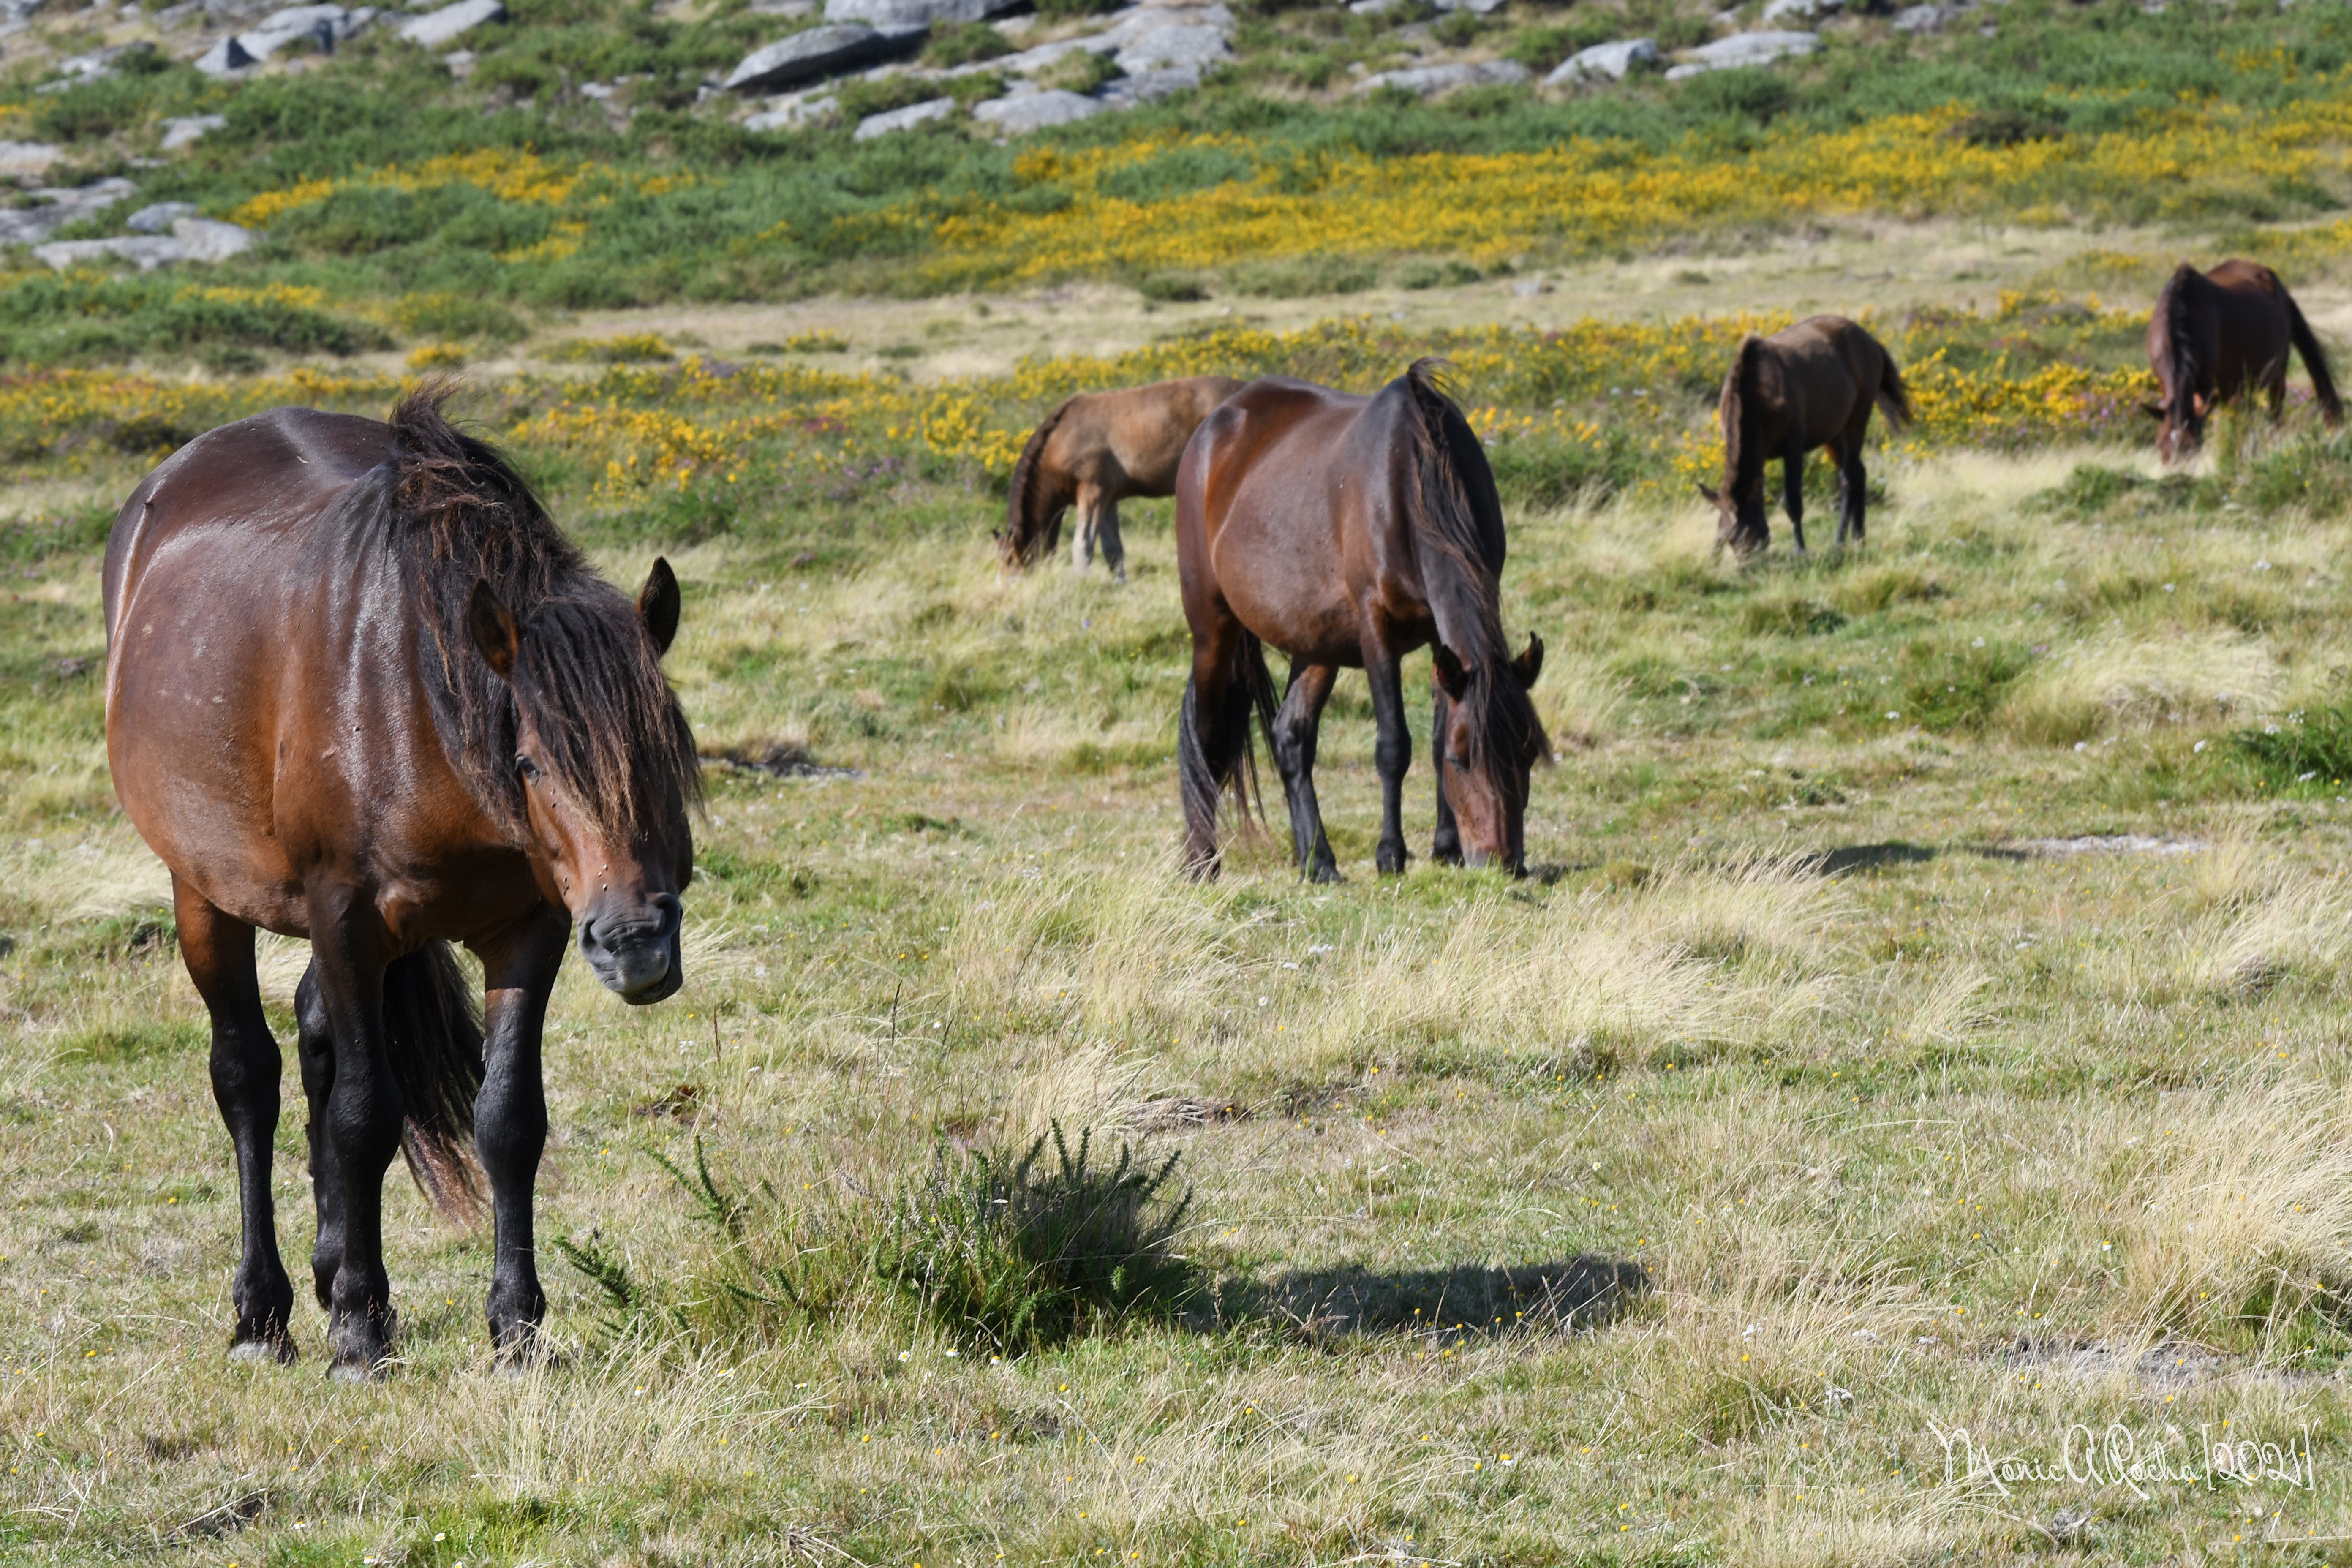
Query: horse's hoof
{"type": "Point", "coordinates": [1327, 872]}
{"type": "Point", "coordinates": [1390, 861]}
{"type": "Point", "coordinates": [279, 1349]}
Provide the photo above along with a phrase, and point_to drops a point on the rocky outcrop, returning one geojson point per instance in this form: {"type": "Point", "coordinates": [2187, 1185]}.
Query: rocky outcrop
{"type": "Point", "coordinates": [1611, 61]}
{"type": "Point", "coordinates": [1744, 49]}
{"type": "Point", "coordinates": [325, 26]}
{"type": "Point", "coordinates": [1431, 80]}
{"type": "Point", "coordinates": [816, 53]}
{"type": "Point", "coordinates": [436, 28]}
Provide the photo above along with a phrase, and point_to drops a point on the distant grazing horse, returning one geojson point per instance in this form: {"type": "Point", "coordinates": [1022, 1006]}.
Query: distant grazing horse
{"type": "Point", "coordinates": [1094, 451]}
{"type": "Point", "coordinates": [358, 690]}
{"type": "Point", "coordinates": [1348, 532]}
{"type": "Point", "coordinates": [1805, 386]}
{"type": "Point", "coordinates": [2217, 335]}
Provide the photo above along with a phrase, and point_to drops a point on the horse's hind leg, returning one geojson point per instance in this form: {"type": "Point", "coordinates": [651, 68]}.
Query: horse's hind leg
{"type": "Point", "coordinates": [218, 951]}
{"type": "Point", "coordinates": [510, 1116]}
{"type": "Point", "coordinates": [1203, 749]}
{"type": "Point", "coordinates": [364, 1118]}
{"type": "Point", "coordinates": [1295, 730]}
{"type": "Point", "coordinates": [315, 1048]}
{"type": "Point", "coordinates": [1082, 531]}
{"type": "Point", "coordinates": [1792, 491]}
{"type": "Point", "coordinates": [1391, 751]}
{"type": "Point", "coordinates": [1114, 548]}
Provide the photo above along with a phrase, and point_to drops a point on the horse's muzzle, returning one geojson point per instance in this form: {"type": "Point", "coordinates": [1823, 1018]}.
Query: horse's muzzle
{"type": "Point", "coordinates": [638, 959]}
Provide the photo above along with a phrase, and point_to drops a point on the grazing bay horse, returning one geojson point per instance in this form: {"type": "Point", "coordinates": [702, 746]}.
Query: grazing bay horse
{"type": "Point", "coordinates": [2218, 335]}
{"type": "Point", "coordinates": [1808, 385]}
{"type": "Point", "coordinates": [1348, 532]}
{"type": "Point", "coordinates": [1094, 451]}
{"type": "Point", "coordinates": [358, 690]}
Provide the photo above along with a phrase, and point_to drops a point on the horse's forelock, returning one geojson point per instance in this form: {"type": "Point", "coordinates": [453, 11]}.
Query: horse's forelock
{"type": "Point", "coordinates": [589, 682]}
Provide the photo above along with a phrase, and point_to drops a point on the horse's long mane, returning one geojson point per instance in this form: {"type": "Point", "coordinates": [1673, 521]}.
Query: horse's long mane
{"type": "Point", "coordinates": [1743, 458]}
{"type": "Point", "coordinates": [588, 674]}
{"type": "Point", "coordinates": [2178, 304]}
{"type": "Point", "coordinates": [1032, 511]}
{"type": "Point", "coordinates": [1457, 528]}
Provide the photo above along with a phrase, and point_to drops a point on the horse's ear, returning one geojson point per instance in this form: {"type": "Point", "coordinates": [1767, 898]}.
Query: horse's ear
{"type": "Point", "coordinates": [1529, 665]}
{"type": "Point", "coordinates": [1450, 676]}
{"type": "Point", "coordinates": [495, 637]}
{"type": "Point", "coordinates": [1714, 497]}
{"type": "Point", "coordinates": [657, 604]}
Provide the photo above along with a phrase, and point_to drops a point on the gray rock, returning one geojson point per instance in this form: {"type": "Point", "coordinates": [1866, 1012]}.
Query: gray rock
{"type": "Point", "coordinates": [59, 206]}
{"type": "Point", "coordinates": [1174, 44]}
{"type": "Point", "coordinates": [1744, 49]}
{"type": "Point", "coordinates": [190, 128]}
{"type": "Point", "coordinates": [1380, 7]}
{"type": "Point", "coordinates": [1017, 115]}
{"type": "Point", "coordinates": [1927, 19]}
{"type": "Point", "coordinates": [1431, 80]}
{"type": "Point", "coordinates": [818, 52]}
{"type": "Point", "coordinates": [888, 14]}
{"type": "Point", "coordinates": [1476, 7]}
{"type": "Point", "coordinates": [436, 28]}
{"type": "Point", "coordinates": [790, 9]}
{"type": "Point", "coordinates": [327, 25]}
{"type": "Point", "coordinates": [905, 118]}
{"type": "Point", "coordinates": [792, 112]}
{"type": "Point", "coordinates": [1611, 59]}
{"type": "Point", "coordinates": [95, 65]}
{"type": "Point", "coordinates": [1799, 10]}
{"type": "Point", "coordinates": [191, 239]}
{"type": "Point", "coordinates": [28, 157]}
{"type": "Point", "coordinates": [1149, 87]}
{"type": "Point", "coordinates": [157, 218]}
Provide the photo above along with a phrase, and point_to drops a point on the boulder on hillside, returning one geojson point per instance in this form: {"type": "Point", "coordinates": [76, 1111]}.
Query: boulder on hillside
{"type": "Point", "coordinates": [818, 52]}
{"type": "Point", "coordinates": [191, 239]}
{"type": "Point", "coordinates": [57, 207]}
{"type": "Point", "coordinates": [1020, 113]}
{"type": "Point", "coordinates": [1174, 44]}
{"type": "Point", "coordinates": [905, 118]}
{"type": "Point", "coordinates": [1148, 87]}
{"type": "Point", "coordinates": [889, 14]}
{"type": "Point", "coordinates": [155, 219]}
{"type": "Point", "coordinates": [1611, 60]}
{"type": "Point", "coordinates": [188, 128]}
{"type": "Point", "coordinates": [1431, 80]}
{"type": "Point", "coordinates": [326, 26]}
{"type": "Point", "coordinates": [1744, 49]}
{"type": "Point", "coordinates": [436, 28]}
{"type": "Point", "coordinates": [1799, 10]}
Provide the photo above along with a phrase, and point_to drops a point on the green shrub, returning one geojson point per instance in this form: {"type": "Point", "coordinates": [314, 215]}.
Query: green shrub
{"type": "Point", "coordinates": [963, 45]}
{"type": "Point", "coordinates": [2311, 747]}
{"type": "Point", "coordinates": [1016, 1254]}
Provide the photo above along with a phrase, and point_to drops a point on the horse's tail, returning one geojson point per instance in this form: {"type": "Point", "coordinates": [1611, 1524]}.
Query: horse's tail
{"type": "Point", "coordinates": [1893, 398]}
{"type": "Point", "coordinates": [1032, 510]}
{"type": "Point", "coordinates": [2314, 360]}
{"type": "Point", "coordinates": [433, 1038]}
{"type": "Point", "coordinates": [1209, 764]}
{"type": "Point", "coordinates": [2178, 303]}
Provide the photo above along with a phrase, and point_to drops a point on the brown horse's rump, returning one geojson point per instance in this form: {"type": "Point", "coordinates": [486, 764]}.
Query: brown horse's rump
{"type": "Point", "coordinates": [1095, 450]}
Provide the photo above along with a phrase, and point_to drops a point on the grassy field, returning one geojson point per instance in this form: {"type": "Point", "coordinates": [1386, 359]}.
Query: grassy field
{"type": "Point", "coordinates": [1932, 982]}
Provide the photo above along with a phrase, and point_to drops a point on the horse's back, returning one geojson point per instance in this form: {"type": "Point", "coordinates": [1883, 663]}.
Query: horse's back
{"type": "Point", "coordinates": [1832, 366]}
{"type": "Point", "coordinates": [1136, 436]}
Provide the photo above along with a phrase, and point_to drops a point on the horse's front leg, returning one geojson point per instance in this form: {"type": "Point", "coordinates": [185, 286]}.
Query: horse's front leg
{"type": "Point", "coordinates": [1296, 727]}
{"type": "Point", "coordinates": [1446, 848]}
{"type": "Point", "coordinates": [364, 1118]}
{"type": "Point", "coordinates": [315, 1047]}
{"type": "Point", "coordinates": [1391, 750]}
{"type": "Point", "coordinates": [510, 1115]}
{"type": "Point", "coordinates": [218, 951]}
{"type": "Point", "coordinates": [1792, 491]}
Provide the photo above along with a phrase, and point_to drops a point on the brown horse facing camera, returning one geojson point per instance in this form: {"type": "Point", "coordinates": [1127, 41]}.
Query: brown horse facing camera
{"type": "Point", "coordinates": [1348, 532]}
{"type": "Point", "coordinates": [1094, 451]}
{"type": "Point", "coordinates": [1805, 386]}
{"type": "Point", "coordinates": [358, 690]}
{"type": "Point", "coordinates": [2214, 336]}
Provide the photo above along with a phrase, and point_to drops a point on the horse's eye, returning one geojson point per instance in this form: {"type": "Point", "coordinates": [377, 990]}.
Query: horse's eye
{"type": "Point", "coordinates": [526, 767]}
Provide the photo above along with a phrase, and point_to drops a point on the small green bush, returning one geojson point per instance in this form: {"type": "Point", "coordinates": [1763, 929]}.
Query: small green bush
{"type": "Point", "coordinates": [963, 45]}
{"type": "Point", "coordinates": [1022, 1254]}
{"type": "Point", "coordinates": [2312, 747]}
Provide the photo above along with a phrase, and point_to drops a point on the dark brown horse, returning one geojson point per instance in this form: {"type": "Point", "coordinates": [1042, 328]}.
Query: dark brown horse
{"type": "Point", "coordinates": [2214, 336]}
{"type": "Point", "coordinates": [1808, 385]}
{"type": "Point", "coordinates": [1348, 532]}
{"type": "Point", "coordinates": [359, 691]}
{"type": "Point", "coordinates": [1094, 451]}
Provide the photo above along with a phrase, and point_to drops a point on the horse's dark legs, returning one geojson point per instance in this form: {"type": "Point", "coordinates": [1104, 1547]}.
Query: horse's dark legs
{"type": "Point", "coordinates": [1792, 490]}
{"type": "Point", "coordinates": [1446, 850]}
{"type": "Point", "coordinates": [510, 1116]}
{"type": "Point", "coordinates": [315, 1048]}
{"type": "Point", "coordinates": [1204, 749]}
{"type": "Point", "coordinates": [1853, 487]}
{"type": "Point", "coordinates": [218, 953]}
{"type": "Point", "coordinates": [1295, 730]}
{"type": "Point", "coordinates": [1391, 751]}
{"type": "Point", "coordinates": [363, 1117]}
{"type": "Point", "coordinates": [1114, 550]}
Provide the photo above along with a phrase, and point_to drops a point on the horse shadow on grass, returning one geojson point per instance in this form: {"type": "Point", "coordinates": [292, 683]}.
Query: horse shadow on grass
{"type": "Point", "coordinates": [1440, 1305]}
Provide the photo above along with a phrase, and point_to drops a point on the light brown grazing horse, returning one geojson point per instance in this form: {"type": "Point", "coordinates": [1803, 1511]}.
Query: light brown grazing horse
{"type": "Point", "coordinates": [1805, 386]}
{"type": "Point", "coordinates": [1094, 451]}
{"type": "Point", "coordinates": [359, 691]}
{"type": "Point", "coordinates": [2214, 336]}
{"type": "Point", "coordinates": [1348, 532]}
